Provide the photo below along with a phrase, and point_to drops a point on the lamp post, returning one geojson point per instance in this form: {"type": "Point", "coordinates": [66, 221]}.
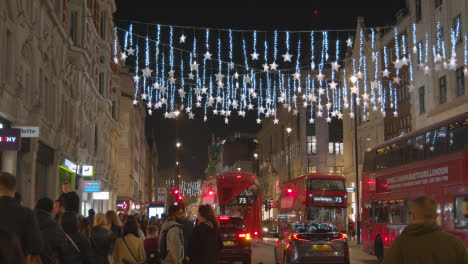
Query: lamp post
{"type": "Point", "coordinates": [289, 153]}
{"type": "Point", "coordinates": [358, 213]}
{"type": "Point", "coordinates": [178, 144]}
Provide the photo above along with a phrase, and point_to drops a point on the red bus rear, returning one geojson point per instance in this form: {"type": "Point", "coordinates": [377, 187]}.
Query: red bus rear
{"type": "Point", "coordinates": [235, 193]}
{"type": "Point", "coordinates": [432, 161]}
{"type": "Point", "coordinates": [320, 197]}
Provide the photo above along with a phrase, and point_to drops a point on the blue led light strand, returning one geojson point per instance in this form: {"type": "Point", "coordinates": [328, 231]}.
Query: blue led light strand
{"type": "Point", "coordinates": [275, 52]}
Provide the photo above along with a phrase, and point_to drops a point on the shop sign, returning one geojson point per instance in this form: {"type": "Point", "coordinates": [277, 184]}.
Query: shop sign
{"type": "Point", "coordinates": [123, 205]}
{"type": "Point", "coordinates": [91, 186]}
{"type": "Point", "coordinates": [87, 170]}
{"type": "Point", "coordinates": [100, 195]}
{"type": "Point", "coordinates": [70, 165]}
{"type": "Point", "coordinates": [29, 131]}
{"type": "Point", "coordinates": [350, 189]}
{"type": "Point", "coordinates": [10, 139]}
{"type": "Point", "coordinates": [162, 194]}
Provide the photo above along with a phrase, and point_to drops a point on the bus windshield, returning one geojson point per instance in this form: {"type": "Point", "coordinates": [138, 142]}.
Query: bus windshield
{"type": "Point", "coordinates": [332, 215]}
{"type": "Point", "coordinates": [310, 227]}
{"type": "Point", "coordinates": [241, 204]}
{"type": "Point", "coordinates": [325, 185]}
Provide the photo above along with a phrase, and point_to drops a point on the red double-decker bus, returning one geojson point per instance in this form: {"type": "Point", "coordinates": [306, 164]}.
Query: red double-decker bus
{"type": "Point", "coordinates": [235, 193]}
{"type": "Point", "coordinates": [320, 197]}
{"type": "Point", "coordinates": [431, 161]}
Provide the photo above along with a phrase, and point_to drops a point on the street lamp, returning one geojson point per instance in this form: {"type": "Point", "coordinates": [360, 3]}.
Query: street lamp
{"type": "Point", "coordinates": [178, 144]}
{"type": "Point", "coordinates": [358, 213]}
{"type": "Point", "coordinates": [289, 153]}
{"type": "Point", "coordinates": [255, 155]}
{"type": "Point", "coordinates": [176, 112]}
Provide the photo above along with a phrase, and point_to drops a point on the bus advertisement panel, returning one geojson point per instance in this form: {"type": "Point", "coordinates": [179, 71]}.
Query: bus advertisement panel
{"type": "Point", "coordinates": [320, 197]}
{"type": "Point", "coordinates": [235, 193]}
{"type": "Point", "coordinates": [433, 162]}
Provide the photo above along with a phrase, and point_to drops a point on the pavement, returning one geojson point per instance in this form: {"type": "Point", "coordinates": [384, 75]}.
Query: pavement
{"type": "Point", "coordinates": [265, 253]}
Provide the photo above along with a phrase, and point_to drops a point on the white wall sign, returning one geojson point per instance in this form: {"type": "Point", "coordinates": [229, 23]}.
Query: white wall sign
{"type": "Point", "coordinates": [100, 195]}
{"type": "Point", "coordinates": [87, 170]}
{"type": "Point", "coordinates": [162, 194]}
{"type": "Point", "coordinates": [29, 131]}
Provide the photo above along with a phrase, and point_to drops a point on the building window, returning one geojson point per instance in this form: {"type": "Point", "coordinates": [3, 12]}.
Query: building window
{"type": "Point", "coordinates": [101, 83]}
{"type": "Point", "coordinates": [311, 145]}
{"type": "Point", "coordinates": [442, 90]}
{"type": "Point", "coordinates": [103, 25]}
{"type": "Point", "coordinates": [312, 169]}
{"type": "Point", "coordinates": [422, 100]}
{"type": "Point", "coordinates": [460, 82]}
{"type": "Point", "coordinates": [114, 110]}
{"type": "Point", "coordinates": [438, 3]}
{"type": "Point", "coordinates": [418, 10]}
{"type": "Point", "coordinates": [73, 26]}
{"type": "Point", "coordinates": [335, 148]}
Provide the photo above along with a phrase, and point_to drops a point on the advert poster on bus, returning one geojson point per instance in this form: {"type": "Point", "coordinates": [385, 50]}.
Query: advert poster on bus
{"type": "Point", "coordinates": [418, 177]}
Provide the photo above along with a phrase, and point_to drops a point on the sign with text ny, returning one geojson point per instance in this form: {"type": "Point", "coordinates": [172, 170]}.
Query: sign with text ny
{"type": "Point", "coordinates": [10, 139]}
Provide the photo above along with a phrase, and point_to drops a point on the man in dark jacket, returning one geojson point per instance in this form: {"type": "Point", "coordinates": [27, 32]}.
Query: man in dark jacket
{"type": "Point", "coordinates": [54, 250]}
{"type": "Point", "coordinates": [424, 241]}
{"type": "Point", "coordinates": [188, 230]}
{"type": "Point", "coordinates": [70, 199]}
{"type": "Point", "coordinates": [17, 219]}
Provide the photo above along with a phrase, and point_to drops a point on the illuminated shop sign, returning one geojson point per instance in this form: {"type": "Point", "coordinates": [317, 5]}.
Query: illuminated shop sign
{"type": "Point", "coordinates": [10, 139]}
{"type": "Point", "coordinates": [91, 186]}
{"type": "Point", "coordinates": [100, 195]}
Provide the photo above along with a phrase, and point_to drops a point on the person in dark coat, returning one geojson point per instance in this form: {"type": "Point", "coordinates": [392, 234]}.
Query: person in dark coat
{"type": "Point", "coordinates": [101, 240]}
{"type": "Point", "coordinates": [188, 230]}
{"type": "Point", "coordinates": [423, 241]}
{"type": "Point", "coordinates": [80, 250]}
{"type": "Point", "coordinates": [17, 219]}
{"type": "Point", "coordinates": [205, 243]}
{"type": "Point", "coordinates": [54, 250]}
{"type": "Point", "coordinates": [69, 198]}
{"type": "Point", "coordinates": [10, 248]}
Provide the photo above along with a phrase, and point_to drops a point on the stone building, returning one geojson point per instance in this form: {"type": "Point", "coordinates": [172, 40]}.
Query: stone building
{"type": "Point", "coordinates": [313, 147]}
{"type": "Point", "coordinates": [57, 73]}
{"type": "Point", "coordinates": [432, 97]}
{"type": "Point", "coordinates": [138, 163]}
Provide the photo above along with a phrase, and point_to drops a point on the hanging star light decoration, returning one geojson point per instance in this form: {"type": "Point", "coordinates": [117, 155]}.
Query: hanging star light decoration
{"type": "Point", "coordinates": [254, 55]}
{"type": "Point", "coordinates": [287, 57]}
{"type": "Point", "coordinates": [182, 38]}
{"type": "Point", "coordinates": [274, 66]}
{"type": "Point", "coordinates": [207, 55]}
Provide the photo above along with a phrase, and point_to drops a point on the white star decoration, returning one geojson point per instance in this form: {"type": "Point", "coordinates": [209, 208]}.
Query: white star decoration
{"type": "Point", "coordinates": [349, 42]}
{"type": "Point", "coordinates": [274, 66]}
{"type": "Point", "coordinates": [194, 66]}
{"type": "Point", "coordinates": [287, 56]}
{"type": "Point", "coordinates": [130, 51]}
{"type": "Point", "coordinates": [333, 85]}
{"type": "Point", "coordinates": [335, 66]}
{"type": "Point", "coordinates": [146, 72]}
{"type": "Point", "coordinates": [265, 67]}
{"type": "Point", "coordinates": [207, 55]}
{"type": "Point", "coordinates": [182, 38]}
{"type": "Point", "coordinates": [254, 55]}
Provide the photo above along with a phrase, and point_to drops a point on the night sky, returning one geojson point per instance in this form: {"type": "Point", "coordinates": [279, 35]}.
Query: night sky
{"type": "Point", "coordinates": [260, 15]}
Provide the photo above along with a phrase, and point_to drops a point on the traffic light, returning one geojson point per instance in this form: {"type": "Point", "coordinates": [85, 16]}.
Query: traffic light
{"type": "Point", "coordinates": [180, 198]}
{"type": "Point", "coordinates": [176, 191]}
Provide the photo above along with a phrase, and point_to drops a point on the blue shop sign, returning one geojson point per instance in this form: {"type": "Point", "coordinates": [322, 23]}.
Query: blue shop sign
{"type": "Point", "coordinates": [91, 186]}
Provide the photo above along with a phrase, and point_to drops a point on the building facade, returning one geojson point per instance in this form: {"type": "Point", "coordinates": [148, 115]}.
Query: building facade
{"type": "Point", "coordinates": [138, 159]}
{"type": "Point", "coordinates": [306, 148]}
{"type": "Point", "coordinates": [436, 93]}
{"type": "Point", "coordinates": [57, 73]}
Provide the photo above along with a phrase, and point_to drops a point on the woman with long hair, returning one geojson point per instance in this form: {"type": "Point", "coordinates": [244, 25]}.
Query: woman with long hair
{"type": "Point", "coordinates": [205, 243]}
{"type": "Point", "coordinates": [101, 239]}
{"type": "Point", "coordinates": [129, 247]}
{"type": "Point", "coordinates": [114, 223]}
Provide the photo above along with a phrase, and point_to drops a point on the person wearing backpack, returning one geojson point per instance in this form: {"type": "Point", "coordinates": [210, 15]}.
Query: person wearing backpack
{"type": "Point", "coordinates": [171, 239]}
{"type": "Point", "coordinates": [151, 245]}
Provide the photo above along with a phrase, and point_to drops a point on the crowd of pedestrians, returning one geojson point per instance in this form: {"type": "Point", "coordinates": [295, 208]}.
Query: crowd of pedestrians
{"type": "Point", "coordinates": [54, 233]}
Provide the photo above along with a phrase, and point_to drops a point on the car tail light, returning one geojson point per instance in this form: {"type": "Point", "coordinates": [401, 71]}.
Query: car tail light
{"type": "Point", "coordinates": [224, 218]}
{"type": "Point", "coordinates": [245, 236]}
{"type": "Point", "coordinates": [295, 236]}
{"type": "Point", "coordinates": [255, 233]}
{"type": "Point", "coordinates": [342, 236]}
{"type": "Point", "coordinates": [288, 245]}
